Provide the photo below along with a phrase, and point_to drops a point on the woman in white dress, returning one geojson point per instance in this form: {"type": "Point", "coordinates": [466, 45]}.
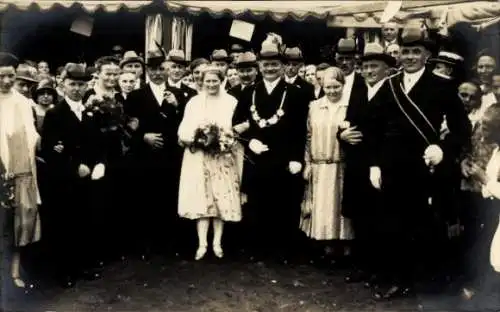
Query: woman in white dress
{"type": "Point", "coordinates": [209, 185]}
{"type": "Point", "coordinates": [18, 141]}
{"type": "Point", "coordinates": [321, 218]}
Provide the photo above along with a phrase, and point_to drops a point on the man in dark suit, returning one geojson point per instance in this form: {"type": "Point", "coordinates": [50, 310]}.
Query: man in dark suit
{"type": "Point", "coordinates": [133, 63]}
{"type": "Point", "coordinates": [408, 162]}
{"type": "Point", "coordinates": [68, 149]}
{"type": "Point", "coordinates": [157, 157]}
{"type": "Point", "coordinates": [360, 200]}
{"type": "Point", "coordinates": [247, 67]}
{"type": "Point", "coordinates": [276, 143]}
{"type": "Point", "coordinates": [294, 61]}
{"type": "Point", "coordinates": [175, 71]}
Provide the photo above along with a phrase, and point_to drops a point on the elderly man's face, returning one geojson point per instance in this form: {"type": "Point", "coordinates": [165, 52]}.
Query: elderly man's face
{"type": "Point", "coordinates": [389, 32]}
{"type": "Point", "coordinates": [485, 67]}
{"type": "Point", "coordinates": [346, 62]}
{"type": "Point", "coordinates": [247, 74]}
{"type": "Point", "coordinates": [157, 73]}
{"type": "Point", "coordinates": [271, 69]}
{"type": "Point", "coordinates": [373, 71]}
{"type": "Point", "coordinates": [414, 58]}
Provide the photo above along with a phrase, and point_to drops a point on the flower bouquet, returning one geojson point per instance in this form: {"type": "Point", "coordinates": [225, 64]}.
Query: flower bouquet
{"type": "Point", "coordinates": [213, 140]}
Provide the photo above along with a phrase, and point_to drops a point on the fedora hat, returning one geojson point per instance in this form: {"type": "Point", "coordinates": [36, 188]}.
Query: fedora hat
{"type": "Point", "coordinates": [44, 85]}
{"type": "Point", "coordinates": [374, 51]}
{"type": "Point", "coordinates": [177, 56]}
{"type": "Point", "coordinates": [27, 73]}
{"type": "Point", "coordinates": [8, 59]}
{"type": "Point", "coordinates": [235, 48]}
{"type": "Point", "coordinates": [245, 60]}
{"type": "Point", "coordinates": [448, 57]}
{"type": "Point", "coordinates": [416, 36]}
{"type": "Point", "coordinates": [270, 51]}
{"type": "Point", "coordinates": [155, 58]}
{"type": "Point", "coordinates": [221, 56]}
{"type": "Point", "coordinates": [293, 54]}
{"type": "Point", "coordinates": [346, 46]}
{"type": "Point", "coordinates": [76, 72]}
{"type": "Point", "coordinates": [131, 57]}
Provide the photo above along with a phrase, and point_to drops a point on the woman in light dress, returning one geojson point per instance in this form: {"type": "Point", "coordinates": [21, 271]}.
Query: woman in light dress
{"type": "Point", "coordinates": [487, 243]}
{"type": "Point", "coordinates": [209, 185]}
{"type": "Point", "coordinates": [321, 218]}
{"type": "Point", "coordinates": [18, 141]}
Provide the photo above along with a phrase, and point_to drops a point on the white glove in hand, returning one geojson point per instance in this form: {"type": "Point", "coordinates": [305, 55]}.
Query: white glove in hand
{"type": "Point", "coordinates": [376, 177]}
{"type": "Point", "coordinates": [83, 171]}
{"type": "Point", "coordinates": [294, 167]}
{"type": "Point", "coordinates": [98, 172]}
{"type": "Point", "coordinates": [433, 155]}
{"type": "Point", "coordinates": [257, 146]}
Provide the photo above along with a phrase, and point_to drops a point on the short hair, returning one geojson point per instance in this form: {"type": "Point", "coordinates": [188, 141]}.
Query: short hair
{"type": "Point", "coordinates": [197, 62]}
{"type": "Point", "coordinates": [123, 72]}
{"type": "Point", "coordinates": [106, 60]}
{"type": "Point", "coordinates": [311, 66]}
{"type": "Point", "coordinates": [322, 66]}
{"type": "Point", "coordinates": [336, 73]}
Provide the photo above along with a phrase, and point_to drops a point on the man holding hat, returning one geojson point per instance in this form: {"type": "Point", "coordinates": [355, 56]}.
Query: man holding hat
{"type": "Point", "coordinates": [407, 162]}
{"type": "Point", "coordinates": [133, 63]}
{"type": "Point", "coordinates": [158, 107]}
{"type": "Point", "coordinates": [69, 153]}
{"type": "Point", "coordinates": [276, 141]}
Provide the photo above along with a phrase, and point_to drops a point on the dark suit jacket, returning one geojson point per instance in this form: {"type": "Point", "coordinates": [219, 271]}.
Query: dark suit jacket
{"type": "Point", "coordinates": [182, 94]}
{"type": "Point", "coordinates": [306, 88]}
{"type": "Point", "coordinates": [62, 125]}
{"type": "Point", "coordinates": [240, 113]}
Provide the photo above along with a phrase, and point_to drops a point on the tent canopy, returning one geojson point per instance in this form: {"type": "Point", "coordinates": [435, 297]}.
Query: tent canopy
{"type": "Point", "coordinates": [89, 6]}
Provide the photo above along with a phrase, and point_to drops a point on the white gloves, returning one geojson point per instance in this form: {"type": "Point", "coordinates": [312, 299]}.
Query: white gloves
{"type": "Point", "coordinates": [98, 172]}
{"type": "Point", "coordinates": [294, 167]}
{"type": "Point", "coordinates": [376, 177]}
{"type": "Point", "coordinates": [433, 155]}
{"type": "Point", "coordinates": [257, 146]}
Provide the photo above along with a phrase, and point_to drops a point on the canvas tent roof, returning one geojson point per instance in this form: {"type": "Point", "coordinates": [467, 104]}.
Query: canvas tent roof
{"type": "Point", "coordinates": [87, 5]}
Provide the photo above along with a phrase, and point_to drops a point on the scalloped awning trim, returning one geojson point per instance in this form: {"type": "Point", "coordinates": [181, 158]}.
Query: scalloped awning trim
{"type": "Point", "coordinates": [88, 6]}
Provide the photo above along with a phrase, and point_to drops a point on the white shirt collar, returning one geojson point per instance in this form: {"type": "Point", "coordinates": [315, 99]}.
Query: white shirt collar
{"type": "Point", "coordinates": [177, 84]}
{"type": "Point", "coordinates": [76, 107]}
{"type": "Point", "coordinates": [271, 85]}
{"type": "Point", "coordinates": [411, 79]}
{"type": "Point", "coordinates": [349, 82]}
{"type": "Point", "coordinates": [372, 90]}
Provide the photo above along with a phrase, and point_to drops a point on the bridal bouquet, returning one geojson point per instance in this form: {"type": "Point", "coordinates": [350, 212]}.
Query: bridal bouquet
{"type": "Point", "coordinates": [105, 111]}
{"type": "Point", "coordinates": [213, 140]}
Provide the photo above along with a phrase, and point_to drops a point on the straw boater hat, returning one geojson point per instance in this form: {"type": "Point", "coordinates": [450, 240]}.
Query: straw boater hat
{"type": "Point", "coordinates": [220, 56]}
{"type": "Point", "coordinates": [416, 36]}
{"type": "Point", "coordinates": [177, 56]}
{"type": "Point", "coordinates": [293, 54]}
{"type": "Point", "coordinates": [131, 57]}
{"type": "Point", "coordinates": [27, 73]}
{"type": "Point", "coordinates": [374, 51]}
{"type": "Point", "coordinates": [346, 46]}
{"type": "Point", "coordinates": [245, 60]}
{"type": "Point", "coordinates": [7, 59]}
{"type": "Point", "coordinates": [448, 57]}
{"type": "Point", "coordinates": [76, 72]}
{"type": "Point", "coordinates": [44, 85]}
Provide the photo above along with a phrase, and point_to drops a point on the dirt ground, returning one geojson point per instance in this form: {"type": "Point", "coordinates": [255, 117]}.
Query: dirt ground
{"type": "Point", "coordinates": [222, 285]}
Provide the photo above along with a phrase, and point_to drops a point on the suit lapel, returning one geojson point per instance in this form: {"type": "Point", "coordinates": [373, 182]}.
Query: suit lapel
{"type": "Point", "coordinates": [69, 112]}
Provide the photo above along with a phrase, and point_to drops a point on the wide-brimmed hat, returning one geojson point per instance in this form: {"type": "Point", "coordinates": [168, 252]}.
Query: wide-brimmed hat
{"type": "Point", "coordinates": [177, 56]}
{"type": "Point", "coordinates": [220, 56]}
{"type": "Point", "coordinates": [270, 51]}
{"type": "Point", "coordinates": [155, 58]}
{"type": "Point", "coordinates": [44, 85]}
{"type": "Point", "coordinates": [245, 60]}
{"type": "Point", "coordinates": [8, 59]}
{"type": "Point", "coordinates": [448, 57]}
{"type": "Point", "coordinates": [293, 54]}
{"type": "Point", "coordinates": [131, 57]}
{"type": "Point", "coordinates": [27, 73]}
{"type": "Point", "coordinates": [416, 36]}
{"type": "Point", "coordinates": [346, 46]}
{"type": "Point", "coordinates": [374, 51]}
{"type": "Point", "coordinates": [78, 72]}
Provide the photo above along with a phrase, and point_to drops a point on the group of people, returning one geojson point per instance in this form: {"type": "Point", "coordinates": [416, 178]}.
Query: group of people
{"type": "Point", "coordinates": [366, 158]}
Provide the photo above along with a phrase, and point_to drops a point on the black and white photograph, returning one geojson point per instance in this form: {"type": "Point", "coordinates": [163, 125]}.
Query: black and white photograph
{"type": "Point", "coordinates": [250, 156]}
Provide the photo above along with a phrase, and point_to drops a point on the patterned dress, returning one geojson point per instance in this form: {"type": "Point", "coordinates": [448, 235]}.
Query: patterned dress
{"type": "Point", "coordinates": [321, 208]}
{"type": "Point", "coordinates": [209, 185]}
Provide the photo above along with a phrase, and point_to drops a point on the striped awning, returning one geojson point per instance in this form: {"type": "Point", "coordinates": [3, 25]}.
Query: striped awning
{"type": "Point", "coordinates": [277, 9]}
{"type": "Point", "coordinates": [89, 6]}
